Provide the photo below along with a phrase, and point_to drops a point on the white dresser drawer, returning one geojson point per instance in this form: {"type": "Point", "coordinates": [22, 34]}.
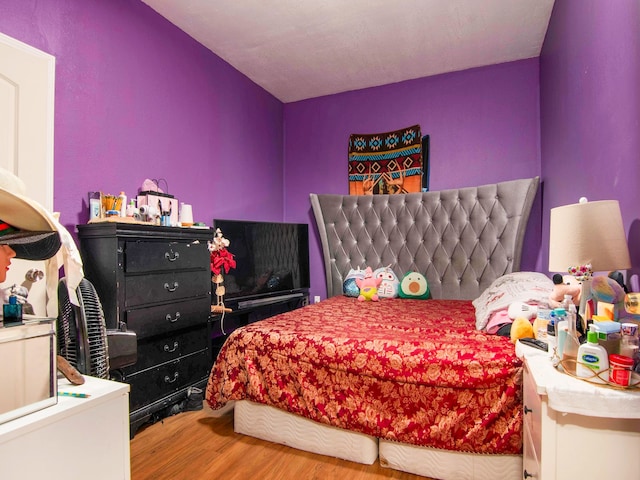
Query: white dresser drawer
{"type": "Point", "coordinates": [532, 406]}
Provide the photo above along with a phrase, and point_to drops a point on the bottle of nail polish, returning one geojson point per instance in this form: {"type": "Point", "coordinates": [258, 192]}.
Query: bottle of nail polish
{"type": "Point", "coordinates": [12, 312]}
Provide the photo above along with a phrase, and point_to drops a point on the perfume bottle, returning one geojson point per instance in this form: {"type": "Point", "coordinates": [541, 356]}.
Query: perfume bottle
{"type": "Point", "coordinates": [12, 312]}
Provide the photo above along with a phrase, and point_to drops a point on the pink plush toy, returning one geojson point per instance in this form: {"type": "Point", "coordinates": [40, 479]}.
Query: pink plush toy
{"type": "Point", "coordinates": [368, 286]}
{"type": "Point", "coordinates": [560, 289]}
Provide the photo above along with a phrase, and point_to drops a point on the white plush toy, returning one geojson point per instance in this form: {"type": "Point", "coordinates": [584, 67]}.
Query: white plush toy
{"type": "Point", "coordinates": [389, 285]}
{"type": "Point", "coordinates": [522, 310]}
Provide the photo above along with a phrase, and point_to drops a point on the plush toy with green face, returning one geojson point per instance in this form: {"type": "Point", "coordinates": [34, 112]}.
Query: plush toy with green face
{"type": "Point", "coordinates": [414, 285]}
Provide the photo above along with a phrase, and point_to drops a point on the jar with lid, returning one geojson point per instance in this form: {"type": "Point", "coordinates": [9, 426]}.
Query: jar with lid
{"type": "Point", "coordinates": [629, 345]}
{"type": "Point", "coordinates": [620, 369]}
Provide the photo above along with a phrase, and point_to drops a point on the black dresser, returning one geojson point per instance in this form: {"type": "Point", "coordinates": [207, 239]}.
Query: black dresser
{"type": "Point", "coordinates": [157, 281]}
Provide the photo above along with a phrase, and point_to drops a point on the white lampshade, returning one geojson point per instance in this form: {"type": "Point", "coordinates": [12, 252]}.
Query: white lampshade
{"type": "Point", "coordinates": [588, 232]}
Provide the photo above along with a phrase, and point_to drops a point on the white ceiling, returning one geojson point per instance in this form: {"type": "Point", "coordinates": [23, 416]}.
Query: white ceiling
{"type": "Point", "coordinates": [299, 49]}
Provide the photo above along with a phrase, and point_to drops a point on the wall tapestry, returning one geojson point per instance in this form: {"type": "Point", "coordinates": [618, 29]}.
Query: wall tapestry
{"type": "Point", "coordinates": [387, 163]}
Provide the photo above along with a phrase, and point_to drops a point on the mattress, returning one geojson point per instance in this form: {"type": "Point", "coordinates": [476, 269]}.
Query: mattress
{"type": "Point", "coordinates": [409, 371]}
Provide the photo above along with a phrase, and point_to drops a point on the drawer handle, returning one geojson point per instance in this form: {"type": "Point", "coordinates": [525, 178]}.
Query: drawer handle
{"type": "Point", "coordinates": [527, 474]}
{"type": "Point", "coordinates": [168, 349]}
{"type": "Point", "coordinates": [527, 410]}
{"type": "Point", "coordinates": [167, 379]}
{"type": "Point", "coordinates": [170, 288]}
{"type": "Point", "coordinates": [174, 319]}
{"type": "Point", "coordinates": [172, 256]}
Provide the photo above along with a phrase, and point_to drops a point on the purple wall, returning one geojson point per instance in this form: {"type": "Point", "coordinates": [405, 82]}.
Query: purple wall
{"type": "Point", "coordinates": [483, 125]}
{"type": "Point", "coordinates": [590, 111]}
{"type": "Point", "coordinates": [137, 98]}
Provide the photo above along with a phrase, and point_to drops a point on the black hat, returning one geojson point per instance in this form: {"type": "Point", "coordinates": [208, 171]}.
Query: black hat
{"type": "Point", "coordinates": [29, 245]}
{"type": "Point", "coordinates": [25, 225]}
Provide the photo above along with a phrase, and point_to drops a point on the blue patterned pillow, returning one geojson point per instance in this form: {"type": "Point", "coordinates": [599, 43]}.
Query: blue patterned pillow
{"type": "Point", "coordinates": [349, 286]}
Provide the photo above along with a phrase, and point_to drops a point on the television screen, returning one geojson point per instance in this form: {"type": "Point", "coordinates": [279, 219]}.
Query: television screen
{"type": "Point", "coordinates": [272, 258]}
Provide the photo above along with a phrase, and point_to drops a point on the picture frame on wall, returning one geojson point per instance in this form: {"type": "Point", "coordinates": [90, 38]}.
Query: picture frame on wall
{"type": "Point", "coordinates": [388, 163]}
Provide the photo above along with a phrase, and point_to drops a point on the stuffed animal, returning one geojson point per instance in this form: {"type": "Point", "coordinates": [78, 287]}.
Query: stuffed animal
{"type": "Point", "coordinates": [349, 286]}
{"type": "Point", "coordinates": [560, 289]}
{"type": "Point", "coordinates": [521, 328]}
{"type": "Point", "coordinates": [389, 285]}
{"type": "Point", "coordinates": [414, 285]}
{"type": "Point", "coordinates": [521, 309]}
{"type": "Point", "coordinates": [607, 298]}
{"type": "Point", "coordinates": [368, 286]}
{"type": "Point", "coordinates": [605, 289]}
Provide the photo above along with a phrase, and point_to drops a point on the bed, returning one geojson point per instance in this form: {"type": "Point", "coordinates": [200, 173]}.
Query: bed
{"type": "Point", "coordinates": [411, 382]}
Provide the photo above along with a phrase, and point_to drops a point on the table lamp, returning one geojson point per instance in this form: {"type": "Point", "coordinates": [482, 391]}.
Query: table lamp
{"type": "Point", "coordinates": [587, 237]}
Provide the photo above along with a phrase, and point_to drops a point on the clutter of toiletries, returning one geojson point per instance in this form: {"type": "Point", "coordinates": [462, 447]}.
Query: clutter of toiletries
{"type": "Point", "coordinates": [603, 350]}
{"type": "Point", "coordinates": [152, 205]}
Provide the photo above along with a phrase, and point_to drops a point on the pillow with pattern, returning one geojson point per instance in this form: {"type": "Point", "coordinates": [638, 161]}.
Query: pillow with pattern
{"type": "Point", "coordinates": [529, 287]}
{"type": "Point", "coordinates": [349, 286]}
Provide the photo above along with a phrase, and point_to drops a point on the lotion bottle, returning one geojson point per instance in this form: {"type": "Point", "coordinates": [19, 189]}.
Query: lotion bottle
{"type": "Point", "coordinates": [561, 328]}
{"type": "Point", "coordinates": [593, 360]}
{"type": "Point", "coordinates": [123, 204]}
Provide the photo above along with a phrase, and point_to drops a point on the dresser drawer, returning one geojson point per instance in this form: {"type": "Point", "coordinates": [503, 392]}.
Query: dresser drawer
{"type": "Point", "coordinates": [161, 350]}
{"type": "Point", "coordinates": [532, 418]}
{"type": "Point", "coordinates": [147, 256]}
{"type": "Point", "coordinates": [530, 465]}
{"type": "Point", "coordinates": [166, 287]}
{"type": "Point", "coordinates": [161, 319]}
{"type": "Point", "coordinates": [153, 384]}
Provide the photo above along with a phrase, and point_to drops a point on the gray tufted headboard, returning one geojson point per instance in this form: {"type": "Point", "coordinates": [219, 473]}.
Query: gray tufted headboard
{"type": "Point", "coordinates": [460, 239]}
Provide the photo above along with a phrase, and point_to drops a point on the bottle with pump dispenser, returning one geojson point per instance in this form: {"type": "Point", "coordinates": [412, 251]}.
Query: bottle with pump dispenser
{"type": "Point", "coordinates": [593, 360]}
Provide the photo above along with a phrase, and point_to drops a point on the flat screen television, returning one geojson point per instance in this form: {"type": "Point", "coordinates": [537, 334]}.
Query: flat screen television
{"type": "Point", "coordinates": [272, 261]}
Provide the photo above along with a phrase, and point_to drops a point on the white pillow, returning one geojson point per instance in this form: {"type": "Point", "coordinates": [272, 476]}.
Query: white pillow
{"type": "Point", "coordinates": [527, 287]}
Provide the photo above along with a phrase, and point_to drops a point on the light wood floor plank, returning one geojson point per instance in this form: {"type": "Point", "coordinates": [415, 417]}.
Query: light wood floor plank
{"type": "Point", "coordinates": [194, 445]}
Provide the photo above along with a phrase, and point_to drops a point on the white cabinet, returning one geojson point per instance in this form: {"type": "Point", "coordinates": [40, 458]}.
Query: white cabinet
{"type": "Point", "coordinates": [575, 430]}
{"type": "Point", "coordinates": [77, 438]}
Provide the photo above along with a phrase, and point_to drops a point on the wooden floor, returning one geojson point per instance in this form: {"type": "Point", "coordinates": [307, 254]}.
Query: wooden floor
{"type": "Point", "coordinates": [193, 445]}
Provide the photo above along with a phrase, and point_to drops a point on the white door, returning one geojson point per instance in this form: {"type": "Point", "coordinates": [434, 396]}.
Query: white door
{"type": "Point", "coordinates": [27, 77]}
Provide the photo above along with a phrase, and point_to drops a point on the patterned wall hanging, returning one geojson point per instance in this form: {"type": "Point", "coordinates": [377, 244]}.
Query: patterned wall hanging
{"type": "Point", "coordinates": [387, 163]}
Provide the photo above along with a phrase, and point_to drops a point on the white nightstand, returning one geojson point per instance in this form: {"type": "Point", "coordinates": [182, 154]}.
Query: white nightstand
{"type": "Point", "coordinates": [78, 438]}
{"type": "Point", "coordinates": [575, 430]}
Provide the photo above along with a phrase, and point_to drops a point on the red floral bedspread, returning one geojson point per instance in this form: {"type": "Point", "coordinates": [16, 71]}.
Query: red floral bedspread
{"type": "Point", "coordinates": [414, 371]}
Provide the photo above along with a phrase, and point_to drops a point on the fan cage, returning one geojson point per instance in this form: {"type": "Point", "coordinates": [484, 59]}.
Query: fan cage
{"type": "Point", "coordinates": [81, 330]}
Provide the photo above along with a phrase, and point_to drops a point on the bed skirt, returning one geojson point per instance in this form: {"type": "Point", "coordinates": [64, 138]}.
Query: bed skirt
{"type": "Point", "coordinates": [448, 465]}
{"type": "Point", "coordinates": [275, 425]}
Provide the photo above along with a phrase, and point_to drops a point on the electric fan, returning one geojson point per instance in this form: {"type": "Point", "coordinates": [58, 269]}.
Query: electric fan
{"type": "Point", "coordinates": [81, 330]}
